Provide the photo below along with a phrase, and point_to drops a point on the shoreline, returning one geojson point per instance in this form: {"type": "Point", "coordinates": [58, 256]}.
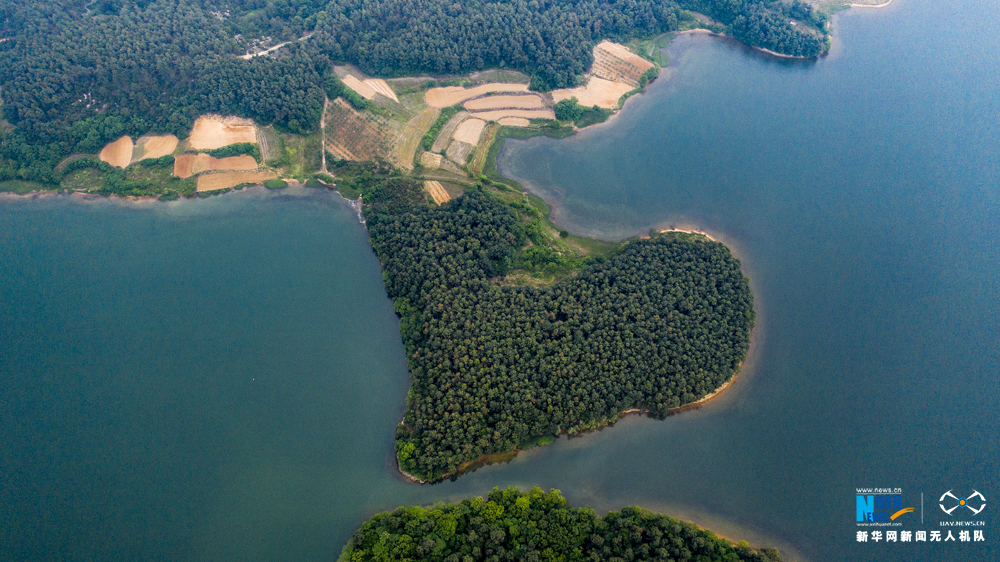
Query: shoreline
{"type": "Point", "coordinates": [694, 231]}
{"type": "Point", "coordinates": [882, 5]}
{"type": "Point", "coordinates": [496, 458]}
{"type": "Point", "coordinates": [86, 195]}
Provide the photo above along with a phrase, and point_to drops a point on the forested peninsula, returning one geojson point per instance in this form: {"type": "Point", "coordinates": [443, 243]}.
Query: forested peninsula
{"type": "Point", "coordinates": [78, 74]}
{"type": "Point", "coordinates": [537, 526]}
{"type": "Point", "coordinates": [500, 361]}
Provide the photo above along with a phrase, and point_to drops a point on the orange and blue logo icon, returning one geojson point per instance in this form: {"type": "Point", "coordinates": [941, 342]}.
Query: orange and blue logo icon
{"type": "Point", "coordinates": [976, 499]}
{"type": "Point", "coordinates": [880, 507]}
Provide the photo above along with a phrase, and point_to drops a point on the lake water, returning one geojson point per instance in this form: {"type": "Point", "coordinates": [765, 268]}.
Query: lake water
{"type": "Point", "coordinates": [219, 379]}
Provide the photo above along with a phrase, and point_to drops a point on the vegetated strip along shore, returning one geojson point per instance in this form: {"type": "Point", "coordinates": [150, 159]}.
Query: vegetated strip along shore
{"type": "Point", "coordinates": [505, 457]}
{"type": "Point", "coordinates": [236, 128]}
{"type": "Point", "coordinates": [508, 456]}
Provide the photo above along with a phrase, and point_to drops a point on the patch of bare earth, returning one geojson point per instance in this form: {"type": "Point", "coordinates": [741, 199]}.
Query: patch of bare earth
{"type": "Point", "coordinates": [598, 91]}
{"type": "Point", "coordinates": [469, 131]}
{"type": "Point", "coordinates": [441, 142]}
{"type": "Point", "coordinates": [154, 147]}
{"type": "Point", "coordinates": [430, 160]}
{"type": "Point", "coordinates": [438, 194]}
{"type": "Point", "coordinates": [364, 90]}
{"type": "Point", "coordinates": [213, 131]}
{"type": "Point", "coordinates": [381, 87]}
{"type": "Point", "coordinates": [449, 96]}
{"type": "Point", "coordinates": [187, 165]}
{"type": "Point", "coordinates": [118, 153]}
{"type": "Point", "coordinates": [514, 121]}
{"type": "Point", "coordinates": [458, 152]}
{"type": "Point", "coordinates": [412, 134]}
{"type": "Point", "coordinates": [498, 114]}
{"type": "Point", "coordinates": [479, 159]}
{"type": "Point", "coordinates": [505, 102]}
{"type": "Point", "coordinates": [224, 180]}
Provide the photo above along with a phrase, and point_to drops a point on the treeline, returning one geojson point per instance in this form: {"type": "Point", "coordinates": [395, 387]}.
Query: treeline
{"type": "Point", "coordinates": [534, 527]}
{"type": "Point", "coordinates": [661, 324]}
{"type": "Point", "coordinates": [766, 23]}
{"type": "Point", "coordinates": [236, 149]}
{"type": "Point", "coordinates": [77, 75]}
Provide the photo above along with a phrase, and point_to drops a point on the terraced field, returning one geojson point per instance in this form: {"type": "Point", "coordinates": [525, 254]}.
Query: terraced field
{"type": "Point", "coordinates": [498, 114]}
{"type": "Point", "coordinates": [437, 192]}
{"type": "Point", "coordinates": [154, 147]}
{"type": "Point", "coordinates": [441, 142]}
{"type": "Point", "coordinates": [213, 131]}
{"type": "Point", "coordinates": [598, 91]}
{"type": "Point", "coordinates": [458, 152]}
{"type": "Point", "coordinates": [187, 165]}
{"type": "Point", "coordinates": [469, 131]}
{"type": "Point", "coordinates": [118, 153]}
{"type": "Point", "coordinates": [223, 180]}
{"type": "Point", "coordinates": [500, 102]}
{"type": "Point", "coordinates": [430, 160]}
{"type": "Point", "coordinates": [412, 134]}
{"type": "Point", "coordinates": [445, 97]}
{"type": "Point", "coordinates": [351, 135]}
{"type": "Point", "coordinates": [616, 63]}
{"type": "Point", "coordinates": [479, 160]}
{"type": "Point", "coordinates": [381, 87]}
{"type": "Point", "coordinates": [364, 90]}
{"type": "Point", "coordinates": [270, 144]}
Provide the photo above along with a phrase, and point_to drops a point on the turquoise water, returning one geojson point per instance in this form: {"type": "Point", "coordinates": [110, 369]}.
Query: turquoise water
{"type": "Point", "coordinates": [219, 379]}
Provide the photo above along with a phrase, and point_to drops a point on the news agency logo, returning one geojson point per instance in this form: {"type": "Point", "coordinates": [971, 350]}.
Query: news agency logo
{"type": "Point", "coordinates": [954, 502]}
{"type": "Point", "coordinates": [881, 508]}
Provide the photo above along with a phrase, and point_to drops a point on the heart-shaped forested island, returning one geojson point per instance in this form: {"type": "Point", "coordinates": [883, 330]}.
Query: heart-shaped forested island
{"type": "Point", "coordinates": [658, 323]}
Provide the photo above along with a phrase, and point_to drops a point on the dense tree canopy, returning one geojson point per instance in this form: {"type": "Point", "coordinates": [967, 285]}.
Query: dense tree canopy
{"type": "Point", "coordinates": [534, 527]}
{"type": "Point", "coordinates": [662, 323]}
{"type": "Point", "coordinates": [77, 74]}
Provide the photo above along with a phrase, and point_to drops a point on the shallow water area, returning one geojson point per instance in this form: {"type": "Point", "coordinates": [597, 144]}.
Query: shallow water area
{"type": "Point", "coordinates": [860, 193]}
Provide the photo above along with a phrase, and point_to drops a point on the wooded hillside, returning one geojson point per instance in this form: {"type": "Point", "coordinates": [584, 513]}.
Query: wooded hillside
{"type": "Point", "coordinates": [537, 526]}
{"type": "Point", "coordinates": [77, 75]}
{"type": "Point", "coordinates": [662, 323]}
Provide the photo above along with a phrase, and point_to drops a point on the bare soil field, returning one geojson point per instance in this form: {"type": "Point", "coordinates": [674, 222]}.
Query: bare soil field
{"type": "Point", "coordinates": [222, 180]}
{"type": "Point", "coordinates": [430, 160]}
{"type": "Point", "coordinates": [514, 121]}
{"type": "Point", "coordinates": [412, 134]}
{"type": "Point", "coordinates": [438, 194]}
{"type": "Point", "coordinates": [458, 152]}
{"type": "Point", "coordinates": [358, 86]}
{"type": "Point", "coordinates": [501, 102]}
{"type": "Point", "coordinates": [479, 159]}
{"type": "Point", "coordinates": [598, 91]}
{"type": "Point", "coordinates": [616, 63]}
{"type": "Point", "coordinates": [499, 114]}
{"type": "Point", "coordinates": [469, 131]}
{"type": "Point", "coordinates": [381, 87]}
{"type": "Point", "coordinates": [187, 165]}
{"type": "Point", "coordinates": [213, 131]}
{"type": "Point", "coordinates": [446, 97]}
{"type": "Point", "coordinates": [154, 147]}
{"type": "Point", "coordinates": [351, 135]}
{"type": "Point", "coordinates": [118, 153]}
{"type": "Point", "coordinates": [441, 142]}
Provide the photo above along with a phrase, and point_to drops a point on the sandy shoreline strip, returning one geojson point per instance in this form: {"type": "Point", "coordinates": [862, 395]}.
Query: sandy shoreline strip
{"type": "Point", "coordinates": [882, 5]}
{"type": "Point", "coordinates": [691, 231]}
